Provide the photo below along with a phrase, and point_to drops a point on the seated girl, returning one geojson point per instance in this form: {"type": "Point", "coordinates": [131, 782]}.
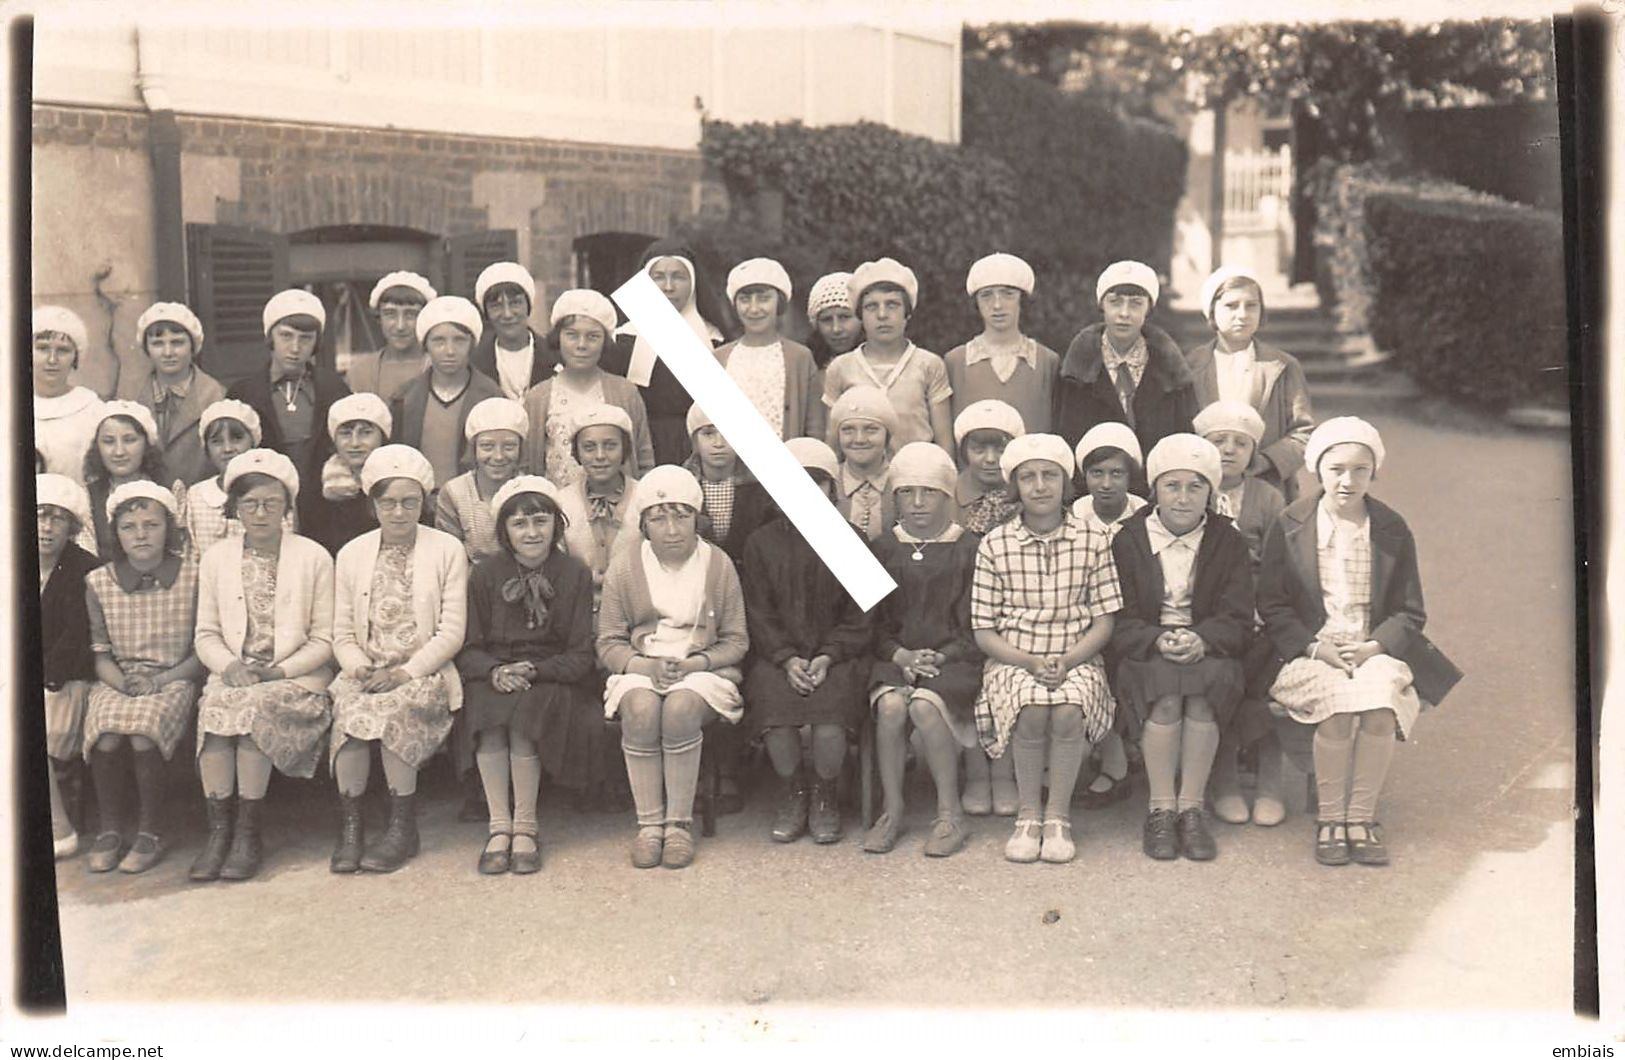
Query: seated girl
{"type": "Point", "coordinates": [495, 433]}
{"type": "Point", "coordinates": [357, 424]}
{"type": "Point", "coordinates": [69, 667]}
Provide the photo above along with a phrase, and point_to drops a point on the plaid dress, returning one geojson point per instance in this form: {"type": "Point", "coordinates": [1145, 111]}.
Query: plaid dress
{"type": "Point", "coordinates": [1041, 593]}
{"type": "Point", "coordinates": [146, 631]}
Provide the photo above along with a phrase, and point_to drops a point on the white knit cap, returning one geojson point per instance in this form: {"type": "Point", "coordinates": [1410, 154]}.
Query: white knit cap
{"type": "Point", "coordinates": [755, 271]}
{"type": "Point", "coordinates": [1051, 447]}
{"type": "Point", "coordinates": [583, 302]}
{"type": "Point", "coordinates": [989, 414]}
{"type": "Point", "coordinates": [65, 493]}
{"type": "Point", "coordinates": [1338, 430]}
{"type": "Point", "coordinates": [263, 462]}
{"type": "Point", "coordinates": [669, 484]}
{"type": "Point", "coordinates": [1137, 273]}
{"type": "Point", "coordinates": [361, 405]}
{"type": "Point", "coordinates": [813, 453]}
{"type": "Point", "coordinates": [63, 321]}
{"type": "Point", "coordinates": [170, 313]}
{"type": "Point", "coordinates": [230, 409]}
{"type": "Point", "coordinates": [524, 484]}
{"type": "Point", "coordinates": [1229, 416]}
{"type": "Point", "coordinates": [396, 461]}
{"type": "Point", "coordinates": [290, 303]}
{"type": "Point", "coordinates": [132, 410]}
{"type": "Point", "coordinates": [497, 414]}
{"type": "Point", "coordinates": [999, 270]}
{"type": "Point", "coordinates": [1184, 452]}
{"type": "Point", "coordinates": [830, 290]}
{"type": "Point", "coordinates": [1110, 433]}
{"type": "Point", "coordinates": [1210, 286]}
{"type": "Point", "coordinates": [923, 464]}
{"type": "Point", "coordinates": [141, 489]}
{"type": "Point", "coordinates": [864, 403]}
{"type": "Point", "coordinates": [601, 415]}
{"type": "Point", "coordinates": [886, 270]}
{"type": "Point", "coordinates": [504, 272]}
{"type": "Point", "coordinates": [697, 418]}
{"type": "Point", "coordinates": [409, 280]}
{"type": "Point", "coordinates": [450, 309]}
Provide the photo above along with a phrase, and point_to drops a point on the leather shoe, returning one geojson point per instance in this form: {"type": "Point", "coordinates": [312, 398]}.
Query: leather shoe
{"type": "Point", "coordinates": [106, 852]}
{"type": "Point", "coordinates": [1195, 841]}
{"type": "Point", "coordinates": [647, 847]}
{"type": "Point", "coordinates": [527, 855]}
{"type": "Point", "coordinates": [1160, 839]}
{"type": "Point", "coordinates": [678, 852]}
{"type": "Point", "coordinates": [497, 855]}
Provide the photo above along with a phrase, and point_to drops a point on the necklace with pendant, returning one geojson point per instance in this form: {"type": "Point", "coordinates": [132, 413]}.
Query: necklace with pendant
{"type": "Point", "coordinates": [289, 389]}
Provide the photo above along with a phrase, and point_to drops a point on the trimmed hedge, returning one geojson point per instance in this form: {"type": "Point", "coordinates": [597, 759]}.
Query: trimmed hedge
{"type": "Point", "coordinates": [1469, 296]}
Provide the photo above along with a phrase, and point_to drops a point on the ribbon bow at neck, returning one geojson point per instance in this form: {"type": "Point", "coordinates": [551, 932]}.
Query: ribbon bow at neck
{"type": "Point", "coordinates": [602, 506]}
{"type": "Point", "coordinates": [533, 589]}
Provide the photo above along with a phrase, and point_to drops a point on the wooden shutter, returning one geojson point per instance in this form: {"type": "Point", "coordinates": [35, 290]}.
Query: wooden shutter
{"type": "Point", "coordinates": [467, 256]}
{"type": "Point", "coordinates": [232, 273]}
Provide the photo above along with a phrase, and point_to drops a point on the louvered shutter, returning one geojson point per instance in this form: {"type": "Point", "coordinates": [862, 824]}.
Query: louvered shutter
{"type": "Point", "coordinates": [467, 256]}
{"type": "Point", "coordinates": [232, 273]}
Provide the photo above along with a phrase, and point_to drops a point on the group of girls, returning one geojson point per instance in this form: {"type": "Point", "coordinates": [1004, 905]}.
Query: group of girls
{"type": "Point", "coordinates": [1093, 551]}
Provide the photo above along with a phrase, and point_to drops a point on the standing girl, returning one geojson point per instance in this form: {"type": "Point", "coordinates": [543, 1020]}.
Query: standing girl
{"type": "Point", "coordinates": [1042, 606]}
{"type": "Point", "coordinates": [431, 415]}
{"type": "Point", "coordinates": [400, 606]}
{"type": "Point", "coordinates": [1001, 363]}
{"type": "Point", "coordinates": [65, 416]}
{"type": "Point", "coordinates": [397, 298]}
{"type": "Point", "coordinates": [63, 510]}
{"type": "Point", "coordinates": [775, 373]}
{"type": "Point", "coordinates": [495, 432]}
{"type": "Point", "coordinates": [509, 352]}
{"type": "Point", "coordinates": [836, 328]}
{"type": "Point", "coordinates": [143, 607]}
{"type": "Point", "coordinates": [865, 429]}
{"type": "Point", "coordinates": [123, 449]}
{"type": "Point", "coordinates": [228, 428]}
{"type": "Point", "coordinates": [929, 668]}
{"type": "Point", "coordinates": [671, 633]}
{"type": "Point", "coordinates": [582, 322]}
{"type": "Point", "coordinates": [525, 663]}
{"type": "Point", "coordinates": [1186, 620]}
{"type": "Point", "coordinates": [265, 632]}
{"type": "Point", "coordinates": [170, 384]}
{"type": "Point", "coordinates": [357, 424]}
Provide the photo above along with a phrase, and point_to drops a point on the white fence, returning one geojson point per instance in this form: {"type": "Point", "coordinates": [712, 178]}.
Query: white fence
{"type": "Point", "coordinates": [1257, 188]}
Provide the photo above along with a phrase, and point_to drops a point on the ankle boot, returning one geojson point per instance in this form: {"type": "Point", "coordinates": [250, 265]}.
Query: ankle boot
{"type": "Point", "coordinates": [347, 852]}
{"type": "Point", "coordinates": [400, 838]}
{"type": "Point", "coordinates": [791, 822]}
{"type": "Point", "coordinates": [207, 865]}
{"type": "Point", "coordinates": [824, 819]}
{"type": "Point", "coordinates": [244, 860]}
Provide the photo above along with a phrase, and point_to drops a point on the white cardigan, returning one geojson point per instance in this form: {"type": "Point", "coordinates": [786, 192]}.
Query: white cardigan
{"type": "Point", "coordinates": [303, 633]}
{"type": "Point", "coordinates": [439, 605]}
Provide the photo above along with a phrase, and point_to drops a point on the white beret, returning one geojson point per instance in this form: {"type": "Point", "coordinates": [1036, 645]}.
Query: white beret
{"type": "Point", "coordinates": [1184, 452]}
{"type": "Point", "coordinates": [1051, 447]}
{"type": "Point", "coordinates": [396, 461]}
{"type": "Point", "coordinates": [989, 414]}
{"type": "Point", "coordinates": [1111, 433]}
{"type": "Point", "coordinates": [886, 270]}
{"type": "Point", "coordinates": [131, 410]}
{"type": "Point", "coordinates": [291, 303]}
{"type": "Point", "coordinates": [585, 303]}
{"type": "Point", "coordinates": [171, 313]}
{"type": "Point", "coordinates": [601, 415]}
{"type": "Point", "coordinates": [999, 270]}
{"type": "Point", "coordinates": [830, 290]}
{"type": "Point", "coordinates": [1137, 273]}
{"type": "Point", "coordinates": [1211, 285]}
{"type": "Point", "coordinates": [1230, 416]}
{"type": "Point", "coordinates": [497, 414]}
{"type": "Point", "coordinates": [755, 271]}
{"type": "Point", "coordinates": [65, 493]}
{"type": "Point", "coordinates": [230, 409]}
{"type": "Point", "coordinates": [697, 418]}
{"type": "Point", "coordinates": [139, 490]}
{"type": "Point", "coordinates": [450, 309]}
{"type": "Point", "coordinates": [669, 484]}
{"type": "Point", "coordinates": [263, 462]}
{"type": "Point", "coordinates": [504, 272]}
{"type": "Point", "coordinates": [62, 321]}
{"type": "Point", "coordinates": [524, 484]}
{"type": "Point", "coordinates": [813, 453]}
{"type": "Point", "coordinates": [1338, 430]}
{"type": "Point", "coordinates": [923, 464]}
{"type": "Point", "coordinates": [864, 403]}
{"type": "Point", "coordinates": [361, 405]}
{"type": "Point", "coordinates": [409, 280]}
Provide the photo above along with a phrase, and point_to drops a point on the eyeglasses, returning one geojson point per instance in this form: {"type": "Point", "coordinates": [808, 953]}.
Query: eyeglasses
{"type": "Point", "coordinates": [270, 506]}
{"type": "Point", "coordinates": [407, 504]}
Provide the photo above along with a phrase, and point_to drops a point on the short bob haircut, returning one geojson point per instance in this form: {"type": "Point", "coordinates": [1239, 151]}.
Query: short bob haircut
{"type": "Point", "coordinates": [74, 526]}
{"type": "Point", "coordinates": [158, 327]}
{"type": "Point", "coordinates": [223, 424]}
{"type": "Point", "coordinates": [152, 460]}
{"type": "Point", "coordinates": [50, 334]}
{"type": "Point", "coordinates": [382, 484]}
{"type": "Point", "coordinates": [1102, 453]}
{"type": "Point", "coordinates": [626, 442]}
{"type": "Point", "coordinates": [1236, 283]}
{"type": "Point", "coordinates": [643, 517]}
{"type": "Point", "coordinates": [557, 330]}
{"type": "Point", "coordinates": [403, 296]}
{"type": "Point", "coordinates": [884, 287]}
{"type": "Point", "coordinates": [1127, 290]}
{"type": "Point", "coordinates": [497, 290]}
{"type": "Point", "coordinates": [783, 303]}
{"type": "Point", "coordinates": [174, 539]}
{"type": "Point", "coordinates": [981, 436]}
{"type": "Point", "coordinates": [531, 504]}
{"type": "Point", "coordinates": [243, 483]}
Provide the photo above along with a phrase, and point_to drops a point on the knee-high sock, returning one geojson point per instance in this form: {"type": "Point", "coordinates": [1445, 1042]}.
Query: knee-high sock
{"type": "Point", "coordinates": [217, 765]}
{"type": "Point", "coordinates": [647, 778]}
{"type": "Point", "coordinates": [1066, 754]}
{"type": "Point", "coordinates": [1028, 754]}
{"type": "Point", "coordinates": [107, 774]}
{"type": "Point", "coordinates": [149, 787]}
{"type": "Point", "coordinates": [681, 764]}
{"type": "Point", "coordinates": [527, 781]}
{"type": "Point", "coordinates": [1373, 752]}
{"type": "Point", "coordinates": [783, 745]}
{"type": "Point", "coordinates": [1198, 744]}
{"type": "Point", "coordinates": [1332, 756]}
{"type": "Point", "coordinates": [494, 775]}
{"type": "Point", "coordinates": [1161, 744]}
{"type": "Point", "coordinates": [402, 778]}
{"type": "Point", "coordinates": [253, 769]}
{"type": "Point", "coordinates": [351, 767]}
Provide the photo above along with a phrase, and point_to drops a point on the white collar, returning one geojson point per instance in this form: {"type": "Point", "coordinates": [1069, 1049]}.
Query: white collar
{"type": "Point", "coordinates": [75, 400]}
{"type": "Point", "coordinates": [1163, 538]}
{"type": "Point", "coordinates": [1247, 354]}
{"type": "Point", "coordinates": [979, 349]}
{"type": "Point", "coordinates": [1328, 526]}
{"type": "Point", "coordinates": [852, 480]}
{"type": "Point", "coordinates": [1084, 508]}
{"type": "Point", "coordinates": [948, 536]}
{"type": "Point", "coordinates": [527, 350]}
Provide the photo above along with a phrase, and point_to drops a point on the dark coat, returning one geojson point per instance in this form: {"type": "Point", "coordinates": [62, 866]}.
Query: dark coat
{"type": "Point", "coordinates": [256, 392]}
{"type": "Point", "coordinates": [1221, 590]}
{"type": "Point", "coordinates": [484, 357]}
{"type": "Point", "coordinates": [1086, 395]}
{"type": "Point", "coordinates": [65, 620]}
